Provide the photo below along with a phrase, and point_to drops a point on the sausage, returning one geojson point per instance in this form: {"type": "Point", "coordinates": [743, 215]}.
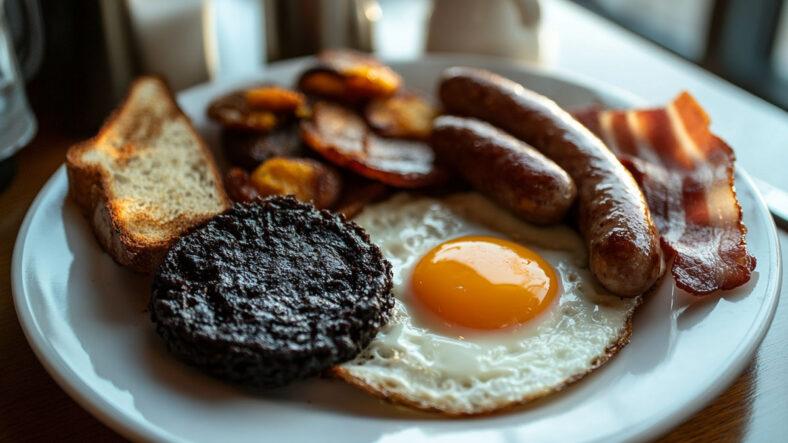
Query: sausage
{"type": "Point", "coordinates": [504, 168]}
{"type": "Point", "coordinates": [623, 243]}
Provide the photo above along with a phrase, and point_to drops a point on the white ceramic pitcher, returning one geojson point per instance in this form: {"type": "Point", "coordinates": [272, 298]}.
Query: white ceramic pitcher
{"type": "Point", "coordinates": [505, 28]}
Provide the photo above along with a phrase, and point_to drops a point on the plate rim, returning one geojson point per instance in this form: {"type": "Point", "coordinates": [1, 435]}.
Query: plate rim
{"type": "Point", "coordinates": [651, 429]}
{"type": "Point", "coordinates": [131, 427]}
{"type": "Point", "coordinates": [59, 370]}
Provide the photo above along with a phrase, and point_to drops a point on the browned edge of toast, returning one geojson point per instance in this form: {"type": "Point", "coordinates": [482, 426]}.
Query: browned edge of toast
{"type": "Point", "coordinates": [89, 184]}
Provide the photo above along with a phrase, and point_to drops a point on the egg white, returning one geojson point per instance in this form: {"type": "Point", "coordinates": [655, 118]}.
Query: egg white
{"type": "Point", "coordinates": [420, 360]}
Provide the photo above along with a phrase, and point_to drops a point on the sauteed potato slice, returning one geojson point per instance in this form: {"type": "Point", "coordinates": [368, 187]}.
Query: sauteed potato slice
{"type": "Point", "coordinates": [248, 149]}
{"type": "Point", "coordinates": [402, 115]}
{"type": "Point", "coordinates": [305, 178]}
{"type": "Point", "coordinates": [350, 77]}
{"type": "Point", "coordinates": [261, 108]}
{"type": "Point", "coordinates": [274, 98]}
{"type": "Point", "coordinates": [238, 186]}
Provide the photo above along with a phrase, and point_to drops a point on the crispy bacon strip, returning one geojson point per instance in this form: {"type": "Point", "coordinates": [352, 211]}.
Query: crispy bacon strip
{"type": "Point", "coordinates": [686, 174]}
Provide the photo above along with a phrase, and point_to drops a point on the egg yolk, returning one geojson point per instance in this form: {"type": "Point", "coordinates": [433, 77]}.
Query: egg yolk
{"type": "Point", "coordinates": [484, 282]}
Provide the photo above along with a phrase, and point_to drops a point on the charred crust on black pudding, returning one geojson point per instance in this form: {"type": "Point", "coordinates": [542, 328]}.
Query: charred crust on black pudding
{"type": "Point", "coordinates": [270, 292]}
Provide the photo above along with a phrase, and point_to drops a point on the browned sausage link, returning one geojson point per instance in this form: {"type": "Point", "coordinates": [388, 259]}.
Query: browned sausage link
{"type": "Point", "coordinates": [504, 168]}
{"type": "Point", "coordinates": [623, 244]}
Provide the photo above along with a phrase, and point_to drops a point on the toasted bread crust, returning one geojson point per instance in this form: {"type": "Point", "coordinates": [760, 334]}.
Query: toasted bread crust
{"type": "Point", "coordinates": [89, 187]}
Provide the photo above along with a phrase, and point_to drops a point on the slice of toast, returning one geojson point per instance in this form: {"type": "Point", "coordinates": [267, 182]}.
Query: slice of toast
{"type": "Point", "coordinates": [146, 178]}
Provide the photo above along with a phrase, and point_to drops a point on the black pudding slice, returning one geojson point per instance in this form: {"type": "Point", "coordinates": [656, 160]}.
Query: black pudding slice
{"type": "Point", "coordinates": [271, 292]}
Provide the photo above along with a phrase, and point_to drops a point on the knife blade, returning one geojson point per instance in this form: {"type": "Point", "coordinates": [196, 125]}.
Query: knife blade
{"type": "Point", "coordinates": [777, 201]}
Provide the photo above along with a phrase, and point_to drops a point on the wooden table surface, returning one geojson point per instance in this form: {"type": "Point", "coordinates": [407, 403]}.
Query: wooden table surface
{"type": "Point", "coordinates": [753, 408]}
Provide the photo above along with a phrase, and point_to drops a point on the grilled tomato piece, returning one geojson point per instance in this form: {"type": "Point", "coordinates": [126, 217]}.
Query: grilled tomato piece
{"type": "Point", "coordinates": [342, 137]}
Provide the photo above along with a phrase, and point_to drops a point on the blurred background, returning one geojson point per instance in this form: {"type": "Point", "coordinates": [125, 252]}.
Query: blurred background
{"type": "Point", "coordinates": [743, 41]}
{"type": "Point", "coordinates": [65, 64]}
{"type": "Point", "coordinates": [83, 53]}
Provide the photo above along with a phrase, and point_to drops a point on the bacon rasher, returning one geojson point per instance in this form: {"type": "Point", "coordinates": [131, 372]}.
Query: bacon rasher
{"type": "Point", "coordinates": [686, 174]}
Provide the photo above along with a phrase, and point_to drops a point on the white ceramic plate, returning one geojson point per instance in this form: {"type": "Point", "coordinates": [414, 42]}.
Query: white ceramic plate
{"type": "Point", "coordinates": [85, 318]}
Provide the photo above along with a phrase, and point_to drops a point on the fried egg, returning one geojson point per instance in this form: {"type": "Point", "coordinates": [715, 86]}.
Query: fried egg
{"type": "Point", "coordinates": [490, 311]}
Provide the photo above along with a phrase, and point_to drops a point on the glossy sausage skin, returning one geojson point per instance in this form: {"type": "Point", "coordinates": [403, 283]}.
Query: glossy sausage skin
{"type": "Point", "coordinates": [623, 243]}
{"type": "Point", "coordinates": [504, 168]}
